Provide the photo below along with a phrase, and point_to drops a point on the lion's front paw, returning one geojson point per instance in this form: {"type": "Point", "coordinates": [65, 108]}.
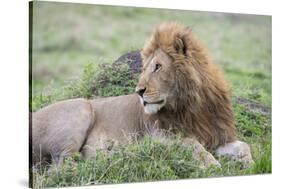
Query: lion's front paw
{"type": "Point", "coordinates": [209, 160]}
{"type": "Point", "coordinates": [205, 158]}
{"type": "Point", "coordinates": [237, 150]}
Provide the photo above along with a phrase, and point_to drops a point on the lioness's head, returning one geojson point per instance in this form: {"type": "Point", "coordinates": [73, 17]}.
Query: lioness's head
{"type": "Point", "coordinates": [167, 72]}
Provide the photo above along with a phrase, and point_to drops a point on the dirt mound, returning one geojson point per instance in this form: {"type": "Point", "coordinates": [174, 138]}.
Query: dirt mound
{"type": "Point", "coordinates": [133, 59]}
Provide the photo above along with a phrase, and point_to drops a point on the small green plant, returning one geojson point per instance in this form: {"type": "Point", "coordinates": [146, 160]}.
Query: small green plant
{"type": "Point", "coordinates": [250, 123]}
{"type": "Point", "coordinates": [82, 87]}
{"type": "Point", "coordinates": [40, 101]}
{"type": "Point", "coordinates": [114, 80]}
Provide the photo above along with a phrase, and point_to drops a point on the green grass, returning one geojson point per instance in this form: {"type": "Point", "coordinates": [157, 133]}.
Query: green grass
{"type": "Point", "coordinates": [73, 48]}
{"type": "Point", "coordinates": [147, 160]}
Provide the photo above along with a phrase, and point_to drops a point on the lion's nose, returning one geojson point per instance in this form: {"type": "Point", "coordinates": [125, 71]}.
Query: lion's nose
{"type": "Point", "coordinates": [140, 91]}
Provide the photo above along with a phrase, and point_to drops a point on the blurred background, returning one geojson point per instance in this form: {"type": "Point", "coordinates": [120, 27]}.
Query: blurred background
{"type": "Point", "coordinates": [66, 36]}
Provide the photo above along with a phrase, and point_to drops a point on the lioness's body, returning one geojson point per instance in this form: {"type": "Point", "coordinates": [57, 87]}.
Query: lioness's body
{"type": "Point", "coordinates": [67, 126]}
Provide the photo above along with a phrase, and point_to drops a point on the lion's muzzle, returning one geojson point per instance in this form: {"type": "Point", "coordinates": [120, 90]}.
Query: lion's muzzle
{"type": "Point", "coordinates": [140, 91]}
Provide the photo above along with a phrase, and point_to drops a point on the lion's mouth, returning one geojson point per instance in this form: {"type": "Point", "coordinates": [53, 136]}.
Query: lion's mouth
{"type": "Point", "coordinates": [155, 102]}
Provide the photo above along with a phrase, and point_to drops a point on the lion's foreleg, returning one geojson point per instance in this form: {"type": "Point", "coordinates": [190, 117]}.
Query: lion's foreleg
{"type": "Point", "coordinates": [236, 150]}
{"type": "Point", "coordinates": [200, 153]}
{"type": "Point", "coordinates": [97, 140]}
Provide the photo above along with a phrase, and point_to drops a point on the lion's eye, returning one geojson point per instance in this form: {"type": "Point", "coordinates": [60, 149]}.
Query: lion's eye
{"type": "Point", "coordinates": [157, 67]}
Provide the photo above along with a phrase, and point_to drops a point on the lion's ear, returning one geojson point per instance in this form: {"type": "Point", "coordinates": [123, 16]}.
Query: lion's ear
{"type": "Point", "coordinates": [180, 41]}
{"type": "Point", "coordinates": [180, 46]}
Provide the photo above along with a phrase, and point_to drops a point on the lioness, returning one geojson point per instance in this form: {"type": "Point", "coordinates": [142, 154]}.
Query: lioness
{"type": "Point", "coordinates": [179, 89]}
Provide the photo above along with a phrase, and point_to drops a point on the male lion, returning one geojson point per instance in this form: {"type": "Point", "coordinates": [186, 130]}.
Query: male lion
{"type": "Point", "coordinates": [180, 89]}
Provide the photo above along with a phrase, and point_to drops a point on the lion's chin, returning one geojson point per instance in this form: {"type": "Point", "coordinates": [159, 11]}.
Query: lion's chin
{"type": "Point", "coordinates": [152, 108]}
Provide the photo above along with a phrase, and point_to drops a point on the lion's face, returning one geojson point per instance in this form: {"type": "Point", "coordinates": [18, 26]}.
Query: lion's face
{"type": "Point", "coordinates": [155, 86]}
